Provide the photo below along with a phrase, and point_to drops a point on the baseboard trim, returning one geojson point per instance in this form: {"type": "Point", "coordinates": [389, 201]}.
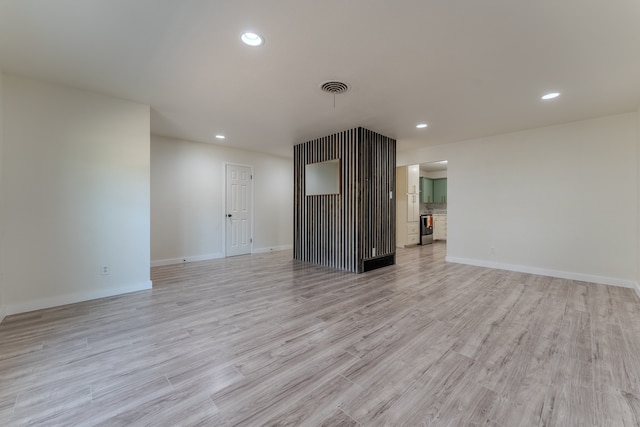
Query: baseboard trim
{"type": "Point", "coordinates": [636, 287]}
{"type": "Point", "coordinates": [172, 261]}
{"type": "Point", "coordinates": [611, 281]}
{"type": "Point", "coordinates": [217, 255]}
{"type": "Point", "coordinates": [39, 304]}
{"type": "Point", "coordinates": [2, 314]}
{"type": "Point", "coordinates": [272, 249]}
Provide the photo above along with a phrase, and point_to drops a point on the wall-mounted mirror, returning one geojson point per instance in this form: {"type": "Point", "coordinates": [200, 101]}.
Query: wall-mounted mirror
{"type": "Point", "coordinates": [322, 178]}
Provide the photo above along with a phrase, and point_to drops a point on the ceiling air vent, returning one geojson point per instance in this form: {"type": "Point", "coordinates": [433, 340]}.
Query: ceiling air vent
{"type": "Point", "coordinates": [334, 87]}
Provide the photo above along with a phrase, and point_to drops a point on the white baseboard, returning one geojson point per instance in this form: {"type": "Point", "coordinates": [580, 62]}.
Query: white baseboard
{"type": "Point", "coordinates": [612, 281]}
{"type": "Point", "coordinates": [271, 249]}
{"type": "Point", "coordinates": [2, 314]}
{"type": "Point", "coordinates": [39, 304]}
{"type": "Point", "coordinates": [217, 255]}
{"type": "Point", "coordinates": [171, 261]}
{"type": "Point", "coordinates": [636, 287]}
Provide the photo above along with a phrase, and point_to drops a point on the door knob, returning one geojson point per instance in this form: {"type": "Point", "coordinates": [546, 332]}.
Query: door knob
{"type": "Point", "coordinates": [229, 215]}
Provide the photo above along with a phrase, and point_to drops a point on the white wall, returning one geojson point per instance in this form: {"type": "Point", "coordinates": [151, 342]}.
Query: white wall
{"type": "Point", "coordinates": [402, 208]}
{"type": "Point", "coordinates": [637, 284]}
{"type": "Point", "coordinates": [434, 174]}
{"type": "Point", "coordinates": [2, 309]}
{"type": "Point", "coordinates": [76, 192]}
{"type": "Point", "coordinates": [560, 200]}
{"type": "Point", "coordinates": [187, 200]}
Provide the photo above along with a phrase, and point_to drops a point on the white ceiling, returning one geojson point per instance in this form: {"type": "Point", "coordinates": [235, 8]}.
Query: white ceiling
{"type": "Point", "coordinates": [468, 68]}
{"type": "Point", "coordinates": [433, 167]}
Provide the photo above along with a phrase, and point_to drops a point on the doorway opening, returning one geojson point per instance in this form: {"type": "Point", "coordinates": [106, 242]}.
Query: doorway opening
{"type": "Point", "coordinates": [433, 198]}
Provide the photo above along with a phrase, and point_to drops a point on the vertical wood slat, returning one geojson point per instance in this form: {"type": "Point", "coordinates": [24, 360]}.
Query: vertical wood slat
{"type": "Point", "coordinates": [341, 230]}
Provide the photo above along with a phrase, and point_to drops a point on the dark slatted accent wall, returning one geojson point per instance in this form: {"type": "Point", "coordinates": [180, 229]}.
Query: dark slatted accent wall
{"type": "Point", "coordinates": [341, 230]}
{"type": "Point", "coordinates": [378, 217]}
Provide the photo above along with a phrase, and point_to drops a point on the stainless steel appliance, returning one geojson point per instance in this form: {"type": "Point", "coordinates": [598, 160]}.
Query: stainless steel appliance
{"type": "Point", "coordinates": [426, 229]}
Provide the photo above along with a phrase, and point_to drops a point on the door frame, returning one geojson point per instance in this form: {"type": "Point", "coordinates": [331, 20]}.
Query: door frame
{"type": "Point", "coordinates": [224, 205]}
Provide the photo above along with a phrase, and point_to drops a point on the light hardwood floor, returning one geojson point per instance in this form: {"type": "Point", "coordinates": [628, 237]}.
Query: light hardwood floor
{"type": "Point", "coordinates": [265, 340]}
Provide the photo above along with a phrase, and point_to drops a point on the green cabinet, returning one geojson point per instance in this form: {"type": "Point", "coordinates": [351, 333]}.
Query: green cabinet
{"type": "Point", "coordinates": [433, 190]}
{"type": "Point", "coordinates": [426, 190]}
{"type": "Point", "coordinates": [440, 190]}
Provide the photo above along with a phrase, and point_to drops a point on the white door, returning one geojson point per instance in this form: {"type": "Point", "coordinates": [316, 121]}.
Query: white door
{"type": "Point", "coordinates": [239, 211]}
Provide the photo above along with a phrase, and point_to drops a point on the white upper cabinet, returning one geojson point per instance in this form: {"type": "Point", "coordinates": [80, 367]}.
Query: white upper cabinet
{"type": "Point", "coordinates": [413, 193]}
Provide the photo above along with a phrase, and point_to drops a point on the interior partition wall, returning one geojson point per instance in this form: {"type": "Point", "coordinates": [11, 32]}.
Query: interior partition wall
{"type": "Point", "coordinates": [352, 229]}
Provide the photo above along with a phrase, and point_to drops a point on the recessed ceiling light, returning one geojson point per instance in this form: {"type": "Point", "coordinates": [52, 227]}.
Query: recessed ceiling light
{"type": "Point", "coordinates": [220, 136]}
{"type": "Point", "coordinates": [421, 126]}
{"type": "Point", "coordinates": [551, 95]}
{"type": "Point", "coordinates": [252, 39]}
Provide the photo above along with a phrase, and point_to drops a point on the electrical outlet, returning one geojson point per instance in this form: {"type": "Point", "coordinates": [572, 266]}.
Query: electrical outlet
{"type": "Point", "coordinates": [105, 269]}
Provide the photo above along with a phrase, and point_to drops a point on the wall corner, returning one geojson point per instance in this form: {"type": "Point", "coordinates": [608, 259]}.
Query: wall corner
{"type": "Point", "coordinates": [2, 284]}
{"type": "Point", "coordinates": [638, 201]}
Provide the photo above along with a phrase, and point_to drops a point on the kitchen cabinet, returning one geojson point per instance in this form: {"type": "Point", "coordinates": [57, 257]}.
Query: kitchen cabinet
{"type": "Point", "coordinates": [440, 190]}
{"type": "Point", "coordinates": [439, 227]}
{"type": "Point", "coordinates": [408, 205]}
{"type": "Point", "coordinates": [426, 190]}
{"type": "Point", "coordinates": [413, 233]}
{"type": "Point", "coordinates": [413, 208]}
{"type": "Point", "coordinates": [413, 193]}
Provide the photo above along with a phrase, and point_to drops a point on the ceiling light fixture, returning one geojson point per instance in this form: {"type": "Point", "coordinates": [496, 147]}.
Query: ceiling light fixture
{"type": "Point", "coordinates": [421, 126]}
{"type": "Point", "coordinates": [252, 39]}
{"type": "Point", "coordinates": [550, 96]}
{"type": "Point", "coordinates": [220, 136]}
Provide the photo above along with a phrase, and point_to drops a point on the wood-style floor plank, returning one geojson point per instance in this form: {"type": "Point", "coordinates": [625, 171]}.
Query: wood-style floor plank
{"type": "Point", "coordinates": [265, 340]}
